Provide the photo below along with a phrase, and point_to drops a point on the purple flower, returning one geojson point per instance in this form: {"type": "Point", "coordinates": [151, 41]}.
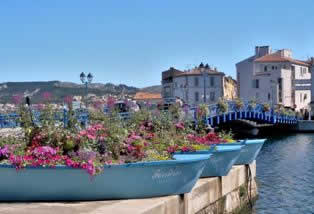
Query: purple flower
{"type": "Point", "coordinates": [44, 151]}
{"type": "Point", "coordinates": [4, 151]}
{"type": "Point", "coordinates": [86, 155]}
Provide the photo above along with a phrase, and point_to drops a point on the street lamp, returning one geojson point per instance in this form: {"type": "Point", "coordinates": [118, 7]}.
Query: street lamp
{"type": "Point", "coordinates": [203, 72]}
{"type": "Point", "coordinates": [86, 81]}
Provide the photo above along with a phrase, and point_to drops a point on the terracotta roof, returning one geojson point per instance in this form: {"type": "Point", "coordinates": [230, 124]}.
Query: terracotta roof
{"type": "Point", "coordinates": [198, 72]}
{"type": "Point", "coordinates": [147, 96]}
{"type": "Point", "coordinates": [275, 57]}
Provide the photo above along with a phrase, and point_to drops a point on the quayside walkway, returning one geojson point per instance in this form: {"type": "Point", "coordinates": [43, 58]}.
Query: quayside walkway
{"type": "Point", "coordinates": [210, 195]}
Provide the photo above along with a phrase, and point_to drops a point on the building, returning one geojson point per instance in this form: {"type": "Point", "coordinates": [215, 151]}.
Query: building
{"type": "Point", "coordinates": [201, 84]}
{"type": "Point", "coordinates": [312, 87]}
{"type": "Point", "coordinates": [153, 98]}
{"type": "Point", "coordinates": [275, 78]}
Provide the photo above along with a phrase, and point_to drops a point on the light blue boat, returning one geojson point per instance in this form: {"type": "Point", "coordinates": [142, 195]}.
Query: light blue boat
{"type": "Point", "coordinates": [222, 160]}
{"type": "Point", "coordinates": [250, 150]}
{"type": "Point", "coordinates": [125, 181]}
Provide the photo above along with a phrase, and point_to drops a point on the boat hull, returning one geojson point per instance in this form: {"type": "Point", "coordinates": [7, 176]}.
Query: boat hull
{"type": "Point", "coordinates": [220, 162]}
{"type": "Point", "coordinates": [126, 181]}
{"type": "Point", "coordinates": [249, 151]}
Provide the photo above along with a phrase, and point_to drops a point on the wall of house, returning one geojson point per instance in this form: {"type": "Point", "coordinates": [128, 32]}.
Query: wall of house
{"type": "Point", "coordinates": [302, 85]}
{"type": "Point", "coordinates": [230, 88]}
{"type": "Point", "coordinates": [185, 88]}
{"type": "Point", "coordinates": [244, 78]}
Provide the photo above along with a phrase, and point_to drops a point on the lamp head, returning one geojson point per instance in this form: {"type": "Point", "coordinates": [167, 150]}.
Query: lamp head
{"type": "Point", "coordinates": [90, 78]}
{"type": "Point", "coordinates": [82, 77]}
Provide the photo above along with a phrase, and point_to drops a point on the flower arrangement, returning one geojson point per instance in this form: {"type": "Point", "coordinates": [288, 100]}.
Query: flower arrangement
{"type": "Point", "coordinates": [239, 104]}
{"type": "Point", "coordinates": [252, 104]}
{"type": "Point", "coordinates": [146, 136]}
{"type": "Point", "coordinates": [266, 107]}
{"type": "Point", "coordinates": [222, 105]}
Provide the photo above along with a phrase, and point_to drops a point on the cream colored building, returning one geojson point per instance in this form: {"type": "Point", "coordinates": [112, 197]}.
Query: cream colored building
{"type": "Point", "coordinates": [201, 84]}
{"type": "Point", "coordinates": [275, 78]}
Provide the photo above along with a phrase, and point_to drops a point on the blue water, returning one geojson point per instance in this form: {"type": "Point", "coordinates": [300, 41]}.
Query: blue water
{"type": "Point", "coordinates": [285, 173]}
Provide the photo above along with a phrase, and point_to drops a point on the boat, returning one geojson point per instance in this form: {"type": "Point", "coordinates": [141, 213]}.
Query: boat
{"type": "Point", "coordinates": [221, 161]}
{"type": "Point", "coordinates": [250, 150]}
{"type": "Point", "coordinates": [124, 181]}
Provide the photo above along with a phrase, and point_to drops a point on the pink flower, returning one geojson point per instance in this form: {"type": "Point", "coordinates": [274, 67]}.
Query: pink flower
{"type": "Point", "coordinates": [47, 96]}
{"type": "Point", "coordinates": [17, 99]}
{"type": "Point", "coordinates": [180, 125]}
{"type": "Point", "coordinates": [68, 100]}
{"type": "Point", "coordinates": [110, 102]}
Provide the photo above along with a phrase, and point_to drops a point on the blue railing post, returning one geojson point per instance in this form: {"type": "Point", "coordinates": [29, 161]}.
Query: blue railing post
{"type": "Point", "coordinates": [65, 117]}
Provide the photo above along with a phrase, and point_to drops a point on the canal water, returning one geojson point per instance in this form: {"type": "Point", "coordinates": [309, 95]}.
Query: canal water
{"type": "Point", "coordinates": [285, 173]}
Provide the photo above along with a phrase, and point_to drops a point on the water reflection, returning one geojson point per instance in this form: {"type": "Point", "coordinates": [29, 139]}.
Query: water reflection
{"type": "Point", "coordinates": [285, 172]}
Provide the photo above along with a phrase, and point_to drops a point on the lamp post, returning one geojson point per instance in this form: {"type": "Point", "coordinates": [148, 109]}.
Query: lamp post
{"type": "Point", "coordinates": [204, 83]}
{"type": "Point", "coordinates": [86, 82]}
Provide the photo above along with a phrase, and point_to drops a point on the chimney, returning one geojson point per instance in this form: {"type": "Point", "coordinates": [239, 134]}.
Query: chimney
{"type": "Point", "coordinates": [262, 51]}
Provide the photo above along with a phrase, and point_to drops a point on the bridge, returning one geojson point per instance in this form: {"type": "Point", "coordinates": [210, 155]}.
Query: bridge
{"type": "Point", "coordinates": [257, 114]}
{"type": "Point", "coordinates": [254, 117]}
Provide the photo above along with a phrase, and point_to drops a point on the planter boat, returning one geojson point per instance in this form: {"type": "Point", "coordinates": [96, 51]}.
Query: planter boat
{"type": "Point", "coordinates": [125, 181]}
{"type": "Point", "coordinates": [250, 150]}
{"type": "Point", "coordinates": [219, 164]}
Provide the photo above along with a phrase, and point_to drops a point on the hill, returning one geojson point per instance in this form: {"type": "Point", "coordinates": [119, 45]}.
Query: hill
{"type": "Point", "coordinates": [60, 90]}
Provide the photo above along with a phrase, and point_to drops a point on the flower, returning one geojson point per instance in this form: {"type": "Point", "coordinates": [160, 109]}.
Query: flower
{"type": "Point", "coordinates": [180, 125]}
{"type": "Point", "coordinates": [17, 99]}
{"type": "Point", "coordinates": [47, 96]}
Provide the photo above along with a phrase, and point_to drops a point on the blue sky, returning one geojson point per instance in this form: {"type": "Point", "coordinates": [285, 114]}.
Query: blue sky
{"type": "Point", "coordinates": [133, 41]}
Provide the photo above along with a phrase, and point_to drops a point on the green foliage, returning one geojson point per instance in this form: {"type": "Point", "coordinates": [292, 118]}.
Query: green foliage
{"type": "Point", "coordinates": [227, 136]}
{"type": "Point", "coordinates": [266, 107]}
{"type": "Point", "coordinates": [222, 105]}
{"type": "Point", "coordinates": [239, 103]}
{"type": "Point", "coordinates": [252, 103]}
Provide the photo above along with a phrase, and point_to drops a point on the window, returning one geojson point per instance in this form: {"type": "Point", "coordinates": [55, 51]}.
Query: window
{"type": "Point", "coordinates": [292, 68]}
{"type": "Point", "coordinates": [268, 96]}
{"type": "Point", "coordinates": [212, 81]}
{"type": "Point", "coordinates": [196, 81]}
{"type": "Point", "coordinates": [273, 67]}
{"type": "Point", "coordinates": [175, 84]}
{"type": "Point", "coordinates": [212, 96]}
{"type": "Point", "coordinates": [256, 83]}
{"type": "Point", "coordinates": [305, 97]}
{"type": "Point", "coordinates": [265, 68]}
{"type": "Point", "coordinates": [167, 91]}
{"type": "Point", "coordinates": [280, 83]}
{"type": "Point", "coordinates": [197, 96]}
{"type": "Point", "coordinates": [280, 96]}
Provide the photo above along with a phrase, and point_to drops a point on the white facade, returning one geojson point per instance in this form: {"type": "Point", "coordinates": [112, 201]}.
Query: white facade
{"type": "Point", "coordinates": [191, 88]}
{"type": "Point", "coordinates": [275, 78]}
{"type": "Point", "coordinates": [199, 85]}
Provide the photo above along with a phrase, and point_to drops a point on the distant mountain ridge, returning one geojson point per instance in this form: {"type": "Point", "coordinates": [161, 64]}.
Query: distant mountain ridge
{"type": "Point", "coordinates": [60, 90]}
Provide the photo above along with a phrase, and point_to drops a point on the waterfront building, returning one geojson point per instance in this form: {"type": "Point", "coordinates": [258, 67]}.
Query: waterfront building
{"type": "Point", "coordinates": [275, 78]}
{"type": "Point", "coordinates": [202, 84]}
{"type": "Point", "coordinates": [146, 97]}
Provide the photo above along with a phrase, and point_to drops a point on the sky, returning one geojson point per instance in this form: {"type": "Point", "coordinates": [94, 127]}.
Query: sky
{"type": "Point", "coordinates": [132, 41]}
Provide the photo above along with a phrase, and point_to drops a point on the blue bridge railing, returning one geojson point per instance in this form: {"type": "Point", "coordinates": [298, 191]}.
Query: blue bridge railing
{"type": "Point", "coordinates": [257, 113]}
